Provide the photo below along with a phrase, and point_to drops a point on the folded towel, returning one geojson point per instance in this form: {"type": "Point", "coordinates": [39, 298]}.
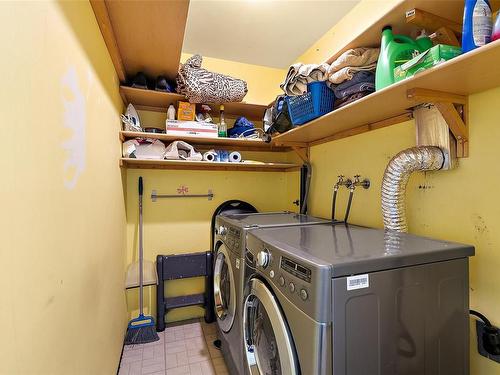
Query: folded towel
{"type": "Point", "coordinates": [299, 75]}
{"type": "Point", "coordinates": [348, 72]}
{"type": "Point", "coordinates": [361, 81]}
{"type": "Point", "coordinates": [352, 61]}
{"type": "Point", "coordinates": [354, 89]}
{"type": "Point", "coordinates": [352, 98]}
{"type": "Point", "coordinates": [356, 57]}
{"type": "Point", "coordinates": [358, 77]}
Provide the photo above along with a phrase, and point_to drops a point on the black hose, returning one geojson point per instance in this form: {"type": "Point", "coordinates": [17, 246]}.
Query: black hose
{"type": "Point", "coordinates": [303, 209]}
{"type": "Point", "coordinates": [334, 202]}
{"type": "Point", "coordinates": [480, 316]}
{"type": "Point", "coordinates": [348, 210]}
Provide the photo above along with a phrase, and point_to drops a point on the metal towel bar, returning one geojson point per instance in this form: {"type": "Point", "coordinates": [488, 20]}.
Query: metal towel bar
{"type": "Point", "coordinates": [155, 195]}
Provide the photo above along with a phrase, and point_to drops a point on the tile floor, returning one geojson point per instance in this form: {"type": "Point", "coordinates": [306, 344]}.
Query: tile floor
{"type": "Point", "coordinates": [184, 348]}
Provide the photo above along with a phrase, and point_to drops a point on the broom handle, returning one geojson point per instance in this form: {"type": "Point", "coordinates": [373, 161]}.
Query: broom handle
{"type": "Point", "coordinates": [140, 248]}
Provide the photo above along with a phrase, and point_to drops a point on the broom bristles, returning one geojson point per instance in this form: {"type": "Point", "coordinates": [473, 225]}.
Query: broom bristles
{"type": "Point", "coordinates": [141, 335]}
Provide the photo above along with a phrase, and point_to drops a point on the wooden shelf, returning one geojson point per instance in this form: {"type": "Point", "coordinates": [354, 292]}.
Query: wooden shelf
{"type": "Point", "coordinates": [206, 166]}
{"type": "Point", "coordinates": [235, 144]}
{"type": "Point", "coordinates": [143, 36]}
{"type": "Point", "coordinates": [467, 74]}
{"type": "Point", "coordinates": [159, 101]}
{"type": "Point", "coordinates": [452, 10]}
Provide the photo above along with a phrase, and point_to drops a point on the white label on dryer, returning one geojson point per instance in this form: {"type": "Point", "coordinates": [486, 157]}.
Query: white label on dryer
{"type": "Point", "coordinates": [358, 282]}
{"type": "Point", "coordinates": [237, 263]}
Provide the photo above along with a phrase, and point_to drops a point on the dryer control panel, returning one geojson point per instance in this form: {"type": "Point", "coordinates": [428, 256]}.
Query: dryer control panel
{"type": "Point", "coordinates": [293, 276]}
{"type": "Point", "coordinates": [295, 269]}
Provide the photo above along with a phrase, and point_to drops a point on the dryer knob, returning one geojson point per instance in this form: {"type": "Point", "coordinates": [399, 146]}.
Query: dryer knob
{"type": "Point", "coordinates": [291, 287]}
{"type": "Point", "coordinates": [222, 230]}
{"type": "Point", "coordinates": [282, 281]}
{"type": "Point", "coordinates": [263, 258]}
{"type": "Point", "coordinates": [303, 294]}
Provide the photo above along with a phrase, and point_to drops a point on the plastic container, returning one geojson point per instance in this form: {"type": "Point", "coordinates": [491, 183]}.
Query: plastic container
{"type": "Point", "coordinates": [477, 26]}
{"type": "Point", "coordinates": [394, 51]}
{"type": "Point", "coordinates": [316, 102]}
{"type": "Point", "coordinates": [496, 29]}
{"type": "Point", "coordinates": [171, 112]}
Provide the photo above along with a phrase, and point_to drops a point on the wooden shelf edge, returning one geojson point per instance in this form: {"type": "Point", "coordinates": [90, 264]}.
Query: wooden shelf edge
{"type": "Point", "coordinates": [408, 93]}
{"type": "Point", "coordinates": [103, 20]}
{"type": "Point", "coordinates": [151, 100]}
{"type": "Point", "coordinates": [236, 144]}
{"type": "Point", "coordinates": [206, 166]}
{"type": "Point", "coordinates": [365, 128]}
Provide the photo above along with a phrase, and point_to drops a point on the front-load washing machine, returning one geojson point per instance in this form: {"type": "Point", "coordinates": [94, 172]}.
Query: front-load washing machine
{"type": "Point", "coordinates": [350, 300]}
{"type": "Point", "coordinates": [229, 249]}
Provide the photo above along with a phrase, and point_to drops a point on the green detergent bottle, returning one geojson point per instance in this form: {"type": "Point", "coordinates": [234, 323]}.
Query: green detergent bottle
{"type": "Point", "coordinates": [394, 51]}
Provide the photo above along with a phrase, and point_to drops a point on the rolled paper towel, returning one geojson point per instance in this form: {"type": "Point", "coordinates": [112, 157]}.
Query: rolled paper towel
{"type": "Point", "coordinates": [235, 157]}
{"type": "Point", "coordinates": [210, 156]}
{"type": "Point", "coordinates": [222, 156]}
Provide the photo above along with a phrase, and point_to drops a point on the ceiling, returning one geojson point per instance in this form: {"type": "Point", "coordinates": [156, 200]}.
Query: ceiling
{"type": "Point", "coordinates": [262, 32]}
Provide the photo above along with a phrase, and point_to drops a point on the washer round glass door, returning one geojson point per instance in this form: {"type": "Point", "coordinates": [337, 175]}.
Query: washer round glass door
{"type": "Point", "coordinates": [224, 289]}
{"type": "Point", "coordinates": [269, 347]}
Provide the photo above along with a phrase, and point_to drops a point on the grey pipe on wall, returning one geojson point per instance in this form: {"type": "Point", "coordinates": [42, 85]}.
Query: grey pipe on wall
{"type": "Point", "coordinates": [396, 176]}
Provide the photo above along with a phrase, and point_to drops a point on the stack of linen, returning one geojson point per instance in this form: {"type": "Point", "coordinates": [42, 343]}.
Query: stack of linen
{"type": "Point", "coordinates": [352, 75]}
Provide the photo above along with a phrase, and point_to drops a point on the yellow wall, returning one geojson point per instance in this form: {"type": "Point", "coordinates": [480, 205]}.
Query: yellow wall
{"type": "Point", "coordinates": [63, 213]}
{"type": "Point", "coordinates": [263, 81]}
{"type": "Point", "coordinates": [180, 226]}
{"type": "Point", "coordinates": [175, 226]}
{"type": "Point", "coordinates": [459, 205]}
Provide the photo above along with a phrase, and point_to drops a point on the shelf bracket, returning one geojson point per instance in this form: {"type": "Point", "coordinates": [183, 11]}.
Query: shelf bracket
{"type": "Point", "coordinates": [453, 108]}
{"type": "Point", "coordinates": [302, 152]}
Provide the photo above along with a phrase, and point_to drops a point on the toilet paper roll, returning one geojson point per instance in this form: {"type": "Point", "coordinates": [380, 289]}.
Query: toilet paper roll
{"type": "Point", "coordinates": [235, 157]}
{"type": "Point", "coordinates": [210, 156]}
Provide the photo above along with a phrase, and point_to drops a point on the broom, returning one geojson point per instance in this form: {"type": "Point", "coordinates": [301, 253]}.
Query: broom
{"type": "Point", "coordinates": [141, 330]}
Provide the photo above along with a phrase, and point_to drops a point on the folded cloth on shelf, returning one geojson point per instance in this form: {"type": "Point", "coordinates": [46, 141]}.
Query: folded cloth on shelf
{"type": "Point", "coordinates": [352, 61]}
{"type": "Point", "coordinates": [355, 57]}
{"type": "Point", "coordinates": [299, 75]}
{"type": "Point", "coordinates": [143, 148]}
{"type": "Point", "coordinates": [352, 98]}
{"type": "Point", "coordinates": [346, 74]}
{"type": "Point", "coordinates": [180, 150]}
{"type": "Point", "coordinates": [354, 89]}
{"type": "Point", "coordinates": [361, 81]}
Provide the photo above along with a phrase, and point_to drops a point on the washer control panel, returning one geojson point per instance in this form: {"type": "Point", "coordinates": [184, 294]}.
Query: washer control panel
{"type": "Point", "coordinates": [231, 236]}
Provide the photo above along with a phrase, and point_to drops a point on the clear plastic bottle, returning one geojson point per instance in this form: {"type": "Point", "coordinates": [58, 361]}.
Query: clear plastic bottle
{"type": "Point", "coordinates": [171, 112]}
{"type": "Point", "coordinates": [222, 132]}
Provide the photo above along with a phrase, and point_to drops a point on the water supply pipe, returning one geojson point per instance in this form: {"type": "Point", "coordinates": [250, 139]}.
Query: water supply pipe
{"type": "Point", "coordinates": [396, 176]}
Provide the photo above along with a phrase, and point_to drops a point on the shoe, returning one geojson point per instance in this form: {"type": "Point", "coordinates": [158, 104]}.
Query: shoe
{"type": "Point", "coordinates": [140, 81]}
{"type": "Point", "coordinates": [163, 85]}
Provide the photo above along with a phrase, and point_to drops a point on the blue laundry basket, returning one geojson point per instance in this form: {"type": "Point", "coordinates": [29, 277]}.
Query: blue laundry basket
{"type": "Point", "coordinates": [316, 102]}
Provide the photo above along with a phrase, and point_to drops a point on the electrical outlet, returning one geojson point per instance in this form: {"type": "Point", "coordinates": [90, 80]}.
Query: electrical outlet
{"type": "Point", "coordinates": [480, 348]}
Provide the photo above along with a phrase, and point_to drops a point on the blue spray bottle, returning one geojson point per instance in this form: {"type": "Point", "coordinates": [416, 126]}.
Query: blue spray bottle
{"type": "Point", "coordinates": [477, 24]}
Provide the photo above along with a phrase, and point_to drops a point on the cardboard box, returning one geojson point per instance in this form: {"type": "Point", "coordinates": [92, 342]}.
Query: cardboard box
{"type": "Point", "coordinates": [432, 57]}
{"type": "Point", "coordinates": [186, 111]}
{"type": "Point", "coordinates": [191, 128]}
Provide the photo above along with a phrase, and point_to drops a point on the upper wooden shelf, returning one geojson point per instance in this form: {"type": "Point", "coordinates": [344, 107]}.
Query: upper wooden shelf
{"type": "Point", "coordinates": [207, 166]}
{"type": "Point", "coordinates": [467, 74]}
{"type": "Point", "coordinates": [143, 36]}
{"type": "Point", "coordinates": [235, 144]}
{"type": "Point", "coordinates": [159, 101]}
{"type": "Point", "coordinates": [452, 10]}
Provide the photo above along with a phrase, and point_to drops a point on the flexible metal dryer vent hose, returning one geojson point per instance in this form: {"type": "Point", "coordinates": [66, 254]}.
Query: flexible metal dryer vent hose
{"type": "Point", "coordinates": [396, 176]}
